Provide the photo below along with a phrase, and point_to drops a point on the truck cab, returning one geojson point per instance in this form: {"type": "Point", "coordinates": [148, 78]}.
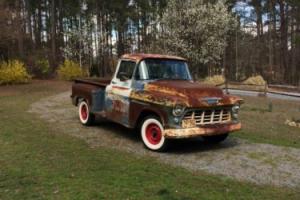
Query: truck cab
{"type": "Point", "coordinates": [157, 95]}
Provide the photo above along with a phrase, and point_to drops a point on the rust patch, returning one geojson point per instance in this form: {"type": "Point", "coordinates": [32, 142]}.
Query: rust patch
{"type": "Point", "coordinates": [136, 108]}
{"type": "Point", "coordinates": [228, 99]}
{"type": "Point", "coordinates": [156, 98]}
{"type": "Point", "coordinates": [187, 93]}
{"type": "Point", "coordinates": [141, 56]}
{"type": "Point", "coordinates": [201, 131]}
{"type": "Point", "coordinates": [118, 106]}
{"type": "Point", "coordinates": [188, 123]}
{"type": "Point", "coordinates": [162, 89]}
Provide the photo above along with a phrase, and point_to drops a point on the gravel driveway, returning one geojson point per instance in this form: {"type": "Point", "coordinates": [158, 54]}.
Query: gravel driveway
{"type": "Point", "coordinates": [235, 158]}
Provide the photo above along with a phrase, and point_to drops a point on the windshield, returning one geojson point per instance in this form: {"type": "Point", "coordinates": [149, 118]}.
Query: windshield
{"type": "Point", "coordinates": [150, 69]}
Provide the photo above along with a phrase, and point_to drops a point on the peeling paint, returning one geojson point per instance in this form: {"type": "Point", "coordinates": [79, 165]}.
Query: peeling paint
{"type": "Point", "coordinates": [140, 56]}
{"type": "Point", "coordinates": [123, 102]}
{"type": "Point", "coordinates": [188, 123]}
{"type": "Point", "coordinates": [187, 93]}
{"type": "Point", "coordinates": [202, 131]}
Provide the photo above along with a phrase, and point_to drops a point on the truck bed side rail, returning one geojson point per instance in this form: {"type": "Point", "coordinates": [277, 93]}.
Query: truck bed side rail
{"type": "Point", "coordinates": [97, 82]}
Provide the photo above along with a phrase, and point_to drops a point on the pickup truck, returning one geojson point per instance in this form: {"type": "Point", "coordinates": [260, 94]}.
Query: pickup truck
{"type": "Point", "coordinates": [157, 95]}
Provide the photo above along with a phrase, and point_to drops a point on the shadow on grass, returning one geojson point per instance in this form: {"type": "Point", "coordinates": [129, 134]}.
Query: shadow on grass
{"type": "Point", "coordinates": [193, 145]}
{"type": "Point", "coordinates": [117, 130]}
{"type": "Point", "coordinates": [176, 146]}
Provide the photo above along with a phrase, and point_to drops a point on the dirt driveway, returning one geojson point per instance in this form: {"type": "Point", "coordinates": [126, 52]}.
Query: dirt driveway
{"type": "Point", "coordinates": [235, 158]}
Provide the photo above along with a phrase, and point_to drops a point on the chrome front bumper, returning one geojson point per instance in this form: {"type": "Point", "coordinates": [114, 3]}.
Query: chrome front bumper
{"type": "Point", "coordinates": [208, 130]}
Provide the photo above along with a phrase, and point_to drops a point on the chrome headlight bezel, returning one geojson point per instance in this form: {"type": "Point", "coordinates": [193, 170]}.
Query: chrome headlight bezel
{"type": "Point", "coordinates": [235, 111]}
{"type": "Point", "coordinates": [178, 110]}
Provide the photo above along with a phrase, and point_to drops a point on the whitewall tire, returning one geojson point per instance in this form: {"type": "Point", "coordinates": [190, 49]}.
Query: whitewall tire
{"type": "Point", "coordinates": [85, 117]}
{"type": "Point", "coordinates": [152, 134]}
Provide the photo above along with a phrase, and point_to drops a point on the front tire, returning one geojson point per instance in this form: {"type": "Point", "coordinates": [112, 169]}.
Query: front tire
{"type": "Point", "coordinates": [152, 134]}
{"type": "Point", "coordinates": [86, 118]}
{"type": "Point", "coordinates": [215, 139]}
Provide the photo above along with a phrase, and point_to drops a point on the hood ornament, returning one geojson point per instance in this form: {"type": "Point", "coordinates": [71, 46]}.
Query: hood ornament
{"type": "Point", "coordinates": [211, 100]}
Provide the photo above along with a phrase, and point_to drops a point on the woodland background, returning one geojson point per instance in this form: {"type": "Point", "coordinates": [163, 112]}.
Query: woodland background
{"type": "Point", "coordinates": [247, 37]}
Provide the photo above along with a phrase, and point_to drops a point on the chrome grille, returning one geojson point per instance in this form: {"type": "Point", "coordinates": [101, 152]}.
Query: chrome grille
{"type": "Point", "coordinates": [202, 117]}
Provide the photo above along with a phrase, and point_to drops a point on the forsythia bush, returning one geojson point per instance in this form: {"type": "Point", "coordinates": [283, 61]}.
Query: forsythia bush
{"type": "Point", "coordinates": [42, 68]}
{"type": "Point", "coordinates": [12, 72]}
{"type": "Point", "coordinates": [69, 70]}
{"type": "Point", "coordinates": [215, 80]}
{"type": "Point", "coordinates": [255, 80]}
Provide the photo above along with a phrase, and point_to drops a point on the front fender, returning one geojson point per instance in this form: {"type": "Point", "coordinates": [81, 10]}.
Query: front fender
{"type": "Point", "coordinates": [140, 109]}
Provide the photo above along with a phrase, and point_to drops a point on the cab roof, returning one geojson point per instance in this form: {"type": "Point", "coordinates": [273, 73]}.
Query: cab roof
{"type": "Point", "coordinates": [141, 56]}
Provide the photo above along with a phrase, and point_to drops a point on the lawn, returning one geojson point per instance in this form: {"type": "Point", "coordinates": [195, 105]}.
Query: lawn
{"type": "Point", "coordinates": [38, 163]}
{"type": "Point", "coordinates": [264, 121]}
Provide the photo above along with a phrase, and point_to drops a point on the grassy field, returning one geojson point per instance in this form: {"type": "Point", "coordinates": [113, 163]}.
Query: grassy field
{"type": "Point", "coordinates": [264, 121]}
{"type": "Point", "coordinates": [37, 163]}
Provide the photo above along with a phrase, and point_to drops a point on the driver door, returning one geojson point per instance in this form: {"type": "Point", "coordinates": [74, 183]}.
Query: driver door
{"type": "Point", "coordinates": [118, 93]}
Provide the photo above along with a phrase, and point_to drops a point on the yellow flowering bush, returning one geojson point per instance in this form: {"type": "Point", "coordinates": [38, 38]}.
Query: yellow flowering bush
{"type": "Point", "coordinates": [255, 80]}
{"type": "Point", "coordinates": [69, 70]}
{"type": "Point", "coordinates": [13, 72]}
{"type": "Point", "coordinates": [42, 68]}
{"type": "Point", "coordinates": [215, 80]}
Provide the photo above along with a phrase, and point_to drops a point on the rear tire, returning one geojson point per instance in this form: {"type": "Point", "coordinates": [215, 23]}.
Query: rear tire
{"type": "Point", "coordinates": [85, 117]}
{"type": "Point", "coordinates": [215, 139]}
{"type": "Point", "coordinates": [151, 130]}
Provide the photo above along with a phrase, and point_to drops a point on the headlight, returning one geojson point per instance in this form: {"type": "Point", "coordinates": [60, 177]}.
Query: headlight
{"type": "Point", "coordinates": [178, 110]}
{"type": "Point", "coordinates": [235, 111]}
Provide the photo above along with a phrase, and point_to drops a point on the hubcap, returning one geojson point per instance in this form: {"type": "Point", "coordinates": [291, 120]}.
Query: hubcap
{"type": "Point", "coordinates": [83, 112]}
{"type": "Point", "coordinates": [153, 134]}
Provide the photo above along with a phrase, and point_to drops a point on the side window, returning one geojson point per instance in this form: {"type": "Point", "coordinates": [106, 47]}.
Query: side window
{"type": "Point", "coordinates": [126, 70]}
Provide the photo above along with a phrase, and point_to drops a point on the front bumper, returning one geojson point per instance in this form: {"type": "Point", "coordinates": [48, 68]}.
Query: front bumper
{"type": "Point", "coordinates": [208, 130]}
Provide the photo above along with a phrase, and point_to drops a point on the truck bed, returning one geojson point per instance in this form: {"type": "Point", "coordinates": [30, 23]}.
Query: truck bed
{"type": "Point", "coordinates": [102, 82]}
{"type": "Point", "coordinates": [91, 90]}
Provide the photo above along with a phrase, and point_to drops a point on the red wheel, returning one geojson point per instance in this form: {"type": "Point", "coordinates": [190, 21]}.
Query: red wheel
{"type": "Point", "coordinates": [84, 111]}
{"type": "Point", "coordinates": [152, 134]}
{"type": "Point", "coordinates": [86, 118]}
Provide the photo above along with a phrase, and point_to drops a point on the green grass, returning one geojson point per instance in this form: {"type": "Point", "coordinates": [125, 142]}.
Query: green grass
{"type": "Point", "coordinates": [264, 119]}
{"type": "Point", "coordinates": [37, 163]}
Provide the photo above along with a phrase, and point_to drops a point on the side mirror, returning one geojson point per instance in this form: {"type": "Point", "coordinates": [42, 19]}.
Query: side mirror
{"type": "Point", "coordinates": [124, 76]}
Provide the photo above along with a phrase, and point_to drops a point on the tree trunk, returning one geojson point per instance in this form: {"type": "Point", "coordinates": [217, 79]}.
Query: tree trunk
{"type": "Point", "coordinates": [28, 19]}
{"type": "Point", "coordinates": [61, 28]}
{"type": "Point", "coordinates": [270, 34]}
{"type": "Point", "coordinates": [53, 34]}
{"type": "Point", "coordinates": [20, 29]}
{"type": "Point", "coordinates": [297, 45]}
{"type": "Point", "coordinates": [38, 30]}
{"type": "Point", "coordinates": [283, 39]}
{"type": "Point", "coordinates": [293, 73]}
{"type": "Point", "coordinates": [259, 32]}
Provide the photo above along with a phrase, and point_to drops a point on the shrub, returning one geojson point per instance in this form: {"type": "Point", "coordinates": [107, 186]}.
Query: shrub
{"type": "Point", "coordinates": [13, 72]}
{"type": "Point", "coordinates": [69, 70]}
{"type": "Point", "coordinates": [255, 80]}
{"type": "Point", "coordinates": [42, 68]}
{"type": "Point", "coordinates": [215, 80]}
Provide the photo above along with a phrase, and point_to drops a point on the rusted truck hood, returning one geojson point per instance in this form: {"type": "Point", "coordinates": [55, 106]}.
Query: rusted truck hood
{"type": "Point", "coordinates": [188, 93]}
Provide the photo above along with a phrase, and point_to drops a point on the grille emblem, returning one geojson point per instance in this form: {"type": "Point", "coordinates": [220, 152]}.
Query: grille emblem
{"type": "Point", "coordinates": [211, 100]}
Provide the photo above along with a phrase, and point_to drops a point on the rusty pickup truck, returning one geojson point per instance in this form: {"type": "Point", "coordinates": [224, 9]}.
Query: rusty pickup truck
{"type": "Point", "coordinates": [157, 95]}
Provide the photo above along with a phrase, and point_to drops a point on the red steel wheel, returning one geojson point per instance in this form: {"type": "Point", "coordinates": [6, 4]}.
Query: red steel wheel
{"type": "Point", "coordinates": [152, 134]}
{"type": "Point", "coordinates": [86, 118]}
{"type": "Point", "coordinates": [84, 111]}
